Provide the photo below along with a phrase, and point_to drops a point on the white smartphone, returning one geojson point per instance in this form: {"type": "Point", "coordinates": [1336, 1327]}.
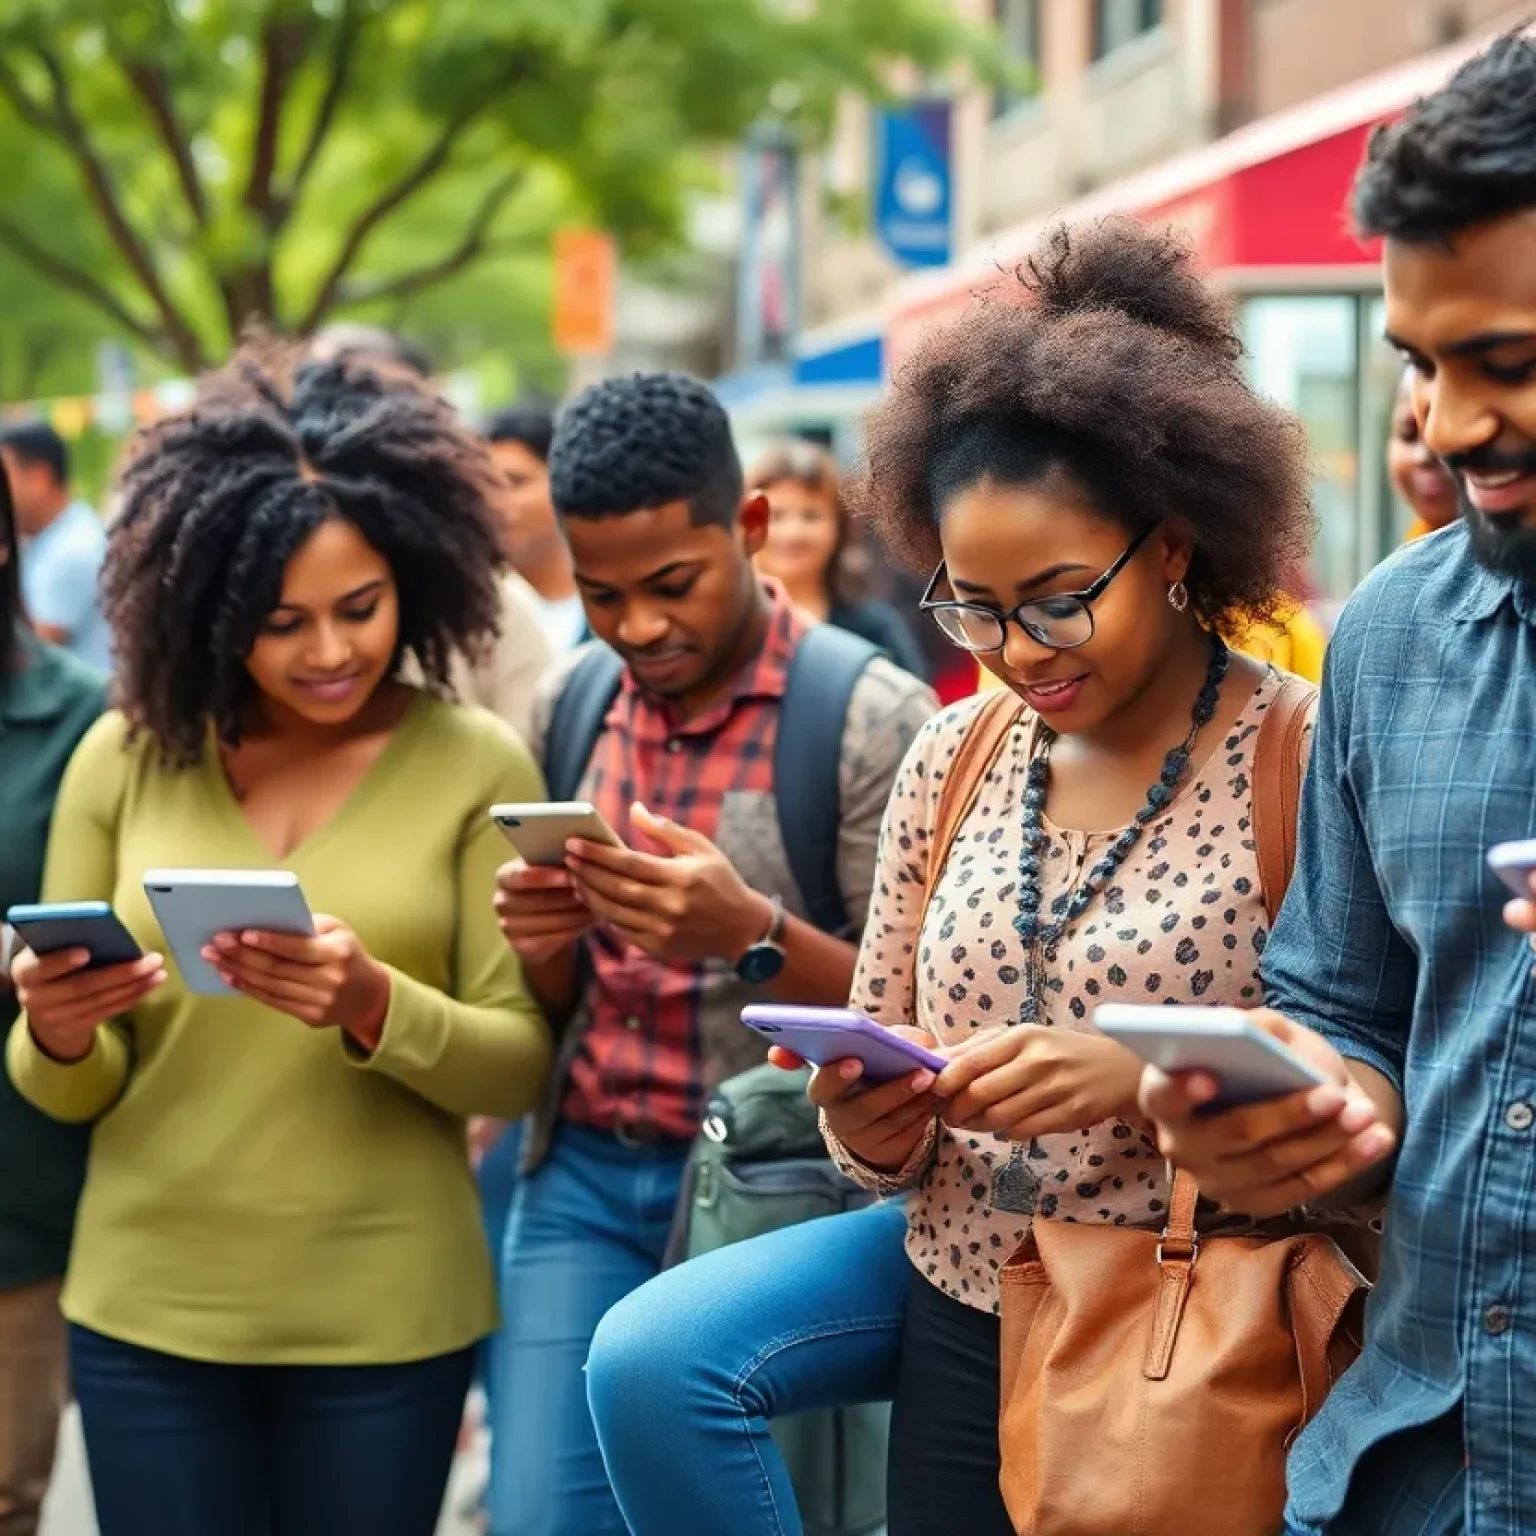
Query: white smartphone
{"type": "Point", "coordinates": [539, 833]}
{"type": "Point", "coordinates": [1249, 1065]}
{"type": "Point", "coordinates": [194, 906]}
{"type": "Point", "coordinates": [1514, 864]}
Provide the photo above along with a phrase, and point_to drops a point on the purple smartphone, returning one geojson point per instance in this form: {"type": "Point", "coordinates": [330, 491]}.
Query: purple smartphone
{"type": "Point", "coordinates": [823, 1035]}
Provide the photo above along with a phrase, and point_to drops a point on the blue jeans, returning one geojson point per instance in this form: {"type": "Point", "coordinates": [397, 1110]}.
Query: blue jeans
{"type": "Point", "coordinates": [587, 1228]}
{"type": "Point", "coordinates": [687, 1373]}
{"type": "Point", "coordinates": [497, 1178]}
{"type": "Point", "coordinates": [183, 1448]}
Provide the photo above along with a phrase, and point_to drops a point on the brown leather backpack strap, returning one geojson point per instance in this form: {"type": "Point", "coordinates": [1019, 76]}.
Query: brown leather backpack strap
{"type": "Point", "coordinates": [1277, 787]}
{"type": "Point", "coordinates": [980, 748]}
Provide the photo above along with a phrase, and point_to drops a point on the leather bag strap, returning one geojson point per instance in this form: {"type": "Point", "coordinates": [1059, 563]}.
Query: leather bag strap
{"type": "Point", "coordinates": [979, 749]}
{"type": "Point", "coordinates": [1277, 774]}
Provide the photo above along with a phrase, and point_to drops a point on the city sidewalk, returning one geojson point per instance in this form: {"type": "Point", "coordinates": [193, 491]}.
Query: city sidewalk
{"type": "Point", "coordinates": [69, 1513]}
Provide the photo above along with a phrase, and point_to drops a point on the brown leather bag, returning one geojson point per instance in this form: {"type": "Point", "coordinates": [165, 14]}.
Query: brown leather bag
{"type": "Point", "coordinates": [1152, 1385]}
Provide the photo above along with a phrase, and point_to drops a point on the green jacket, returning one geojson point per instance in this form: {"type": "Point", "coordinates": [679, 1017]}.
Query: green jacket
{"type": "Point", "coordinates": [45, 708]}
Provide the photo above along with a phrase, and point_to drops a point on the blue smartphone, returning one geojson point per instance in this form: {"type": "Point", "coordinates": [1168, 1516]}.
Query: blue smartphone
{"type": "Point", "coordinates": [93, 926]}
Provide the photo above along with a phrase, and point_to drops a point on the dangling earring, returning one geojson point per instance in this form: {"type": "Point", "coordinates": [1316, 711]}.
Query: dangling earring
{"type": "Point", "coordinates": [1178, 597]}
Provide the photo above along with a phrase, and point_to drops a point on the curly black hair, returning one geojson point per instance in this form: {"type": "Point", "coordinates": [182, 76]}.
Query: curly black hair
{"type": "Point", "coordinates": [635, 443]}
{"type": "Point", "coordinates": [1460, 156]}
{"type": "Point", "coordinates": [1108, 362]}
{"type": "Point", "coordinates": [214, 502]}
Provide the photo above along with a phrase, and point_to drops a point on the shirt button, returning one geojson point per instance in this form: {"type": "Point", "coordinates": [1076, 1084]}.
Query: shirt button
{"type": "Point", "coordinates": [1497, 1320]}
{"type": "Point", "coordinates": [1520, 1116]}
{"type": "Point", "coordinates": [632, 1023]}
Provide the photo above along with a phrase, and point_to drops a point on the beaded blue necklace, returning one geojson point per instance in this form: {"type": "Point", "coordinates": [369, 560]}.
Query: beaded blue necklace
{"type": "Point", "coordinates": [1014, 1187]}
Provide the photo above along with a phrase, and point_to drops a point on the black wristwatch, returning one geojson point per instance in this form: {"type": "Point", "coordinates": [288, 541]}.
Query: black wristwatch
{"type": "Point", "coordinates": [765, 959]}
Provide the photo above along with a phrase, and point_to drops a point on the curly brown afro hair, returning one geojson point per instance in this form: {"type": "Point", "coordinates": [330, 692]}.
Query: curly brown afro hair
{"type": "Point", "coordinates": [214, 502]}
{"type": "Point", "coordinates": [1114, 366]}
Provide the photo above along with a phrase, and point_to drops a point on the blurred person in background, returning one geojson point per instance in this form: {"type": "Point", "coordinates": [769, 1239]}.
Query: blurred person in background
{"type": "Point", "coordinates": [1418, 477]}
{"type": "Point", "coordinates": [48, 701]}
{"type": "Point", "coordinates": [808, 548]}
{"type": "Point", "coordinates": [503, 674]}
{"type": "Point", "coordinates": [64, 541]}
{"type": "Point", "coordinates": [387, 352]}
{"type": "Point", "coordinates": [520, 437]}
{"type": "Point", "coordinates": [279, 1277]}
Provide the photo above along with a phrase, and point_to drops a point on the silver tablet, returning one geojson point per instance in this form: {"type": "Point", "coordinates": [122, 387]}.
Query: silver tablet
{"type": "Point", "coordinates": [194, 906]}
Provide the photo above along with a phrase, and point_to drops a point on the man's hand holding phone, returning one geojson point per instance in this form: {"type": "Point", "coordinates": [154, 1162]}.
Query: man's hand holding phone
{"type": "Point", "coordinates": [882, 1126]}
{"type": "Point", "coordinates": [686, 903]}
{"type": "Point", "coordinates": [540, 911]}
{"type": "Point", "coordinates": [1264, 1159]}
{"type": "Point", "coordinates": [66, 1002]}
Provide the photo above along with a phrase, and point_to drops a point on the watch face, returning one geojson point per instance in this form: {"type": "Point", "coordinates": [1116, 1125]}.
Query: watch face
{"type": "Point", "coordinates": [760, 964]}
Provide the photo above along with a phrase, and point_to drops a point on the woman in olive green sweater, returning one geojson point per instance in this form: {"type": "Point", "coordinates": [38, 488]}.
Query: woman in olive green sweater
{"type": "Point", "coordinates": [279, 1275]}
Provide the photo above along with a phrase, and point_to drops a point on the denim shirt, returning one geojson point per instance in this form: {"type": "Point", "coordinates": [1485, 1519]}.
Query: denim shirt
{"type": "Point", "coordinates": [1392, 944]}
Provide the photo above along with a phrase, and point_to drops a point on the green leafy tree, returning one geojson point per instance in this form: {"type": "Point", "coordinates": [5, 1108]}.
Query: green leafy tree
{"type": "Point", "coordinates": [185, 165]}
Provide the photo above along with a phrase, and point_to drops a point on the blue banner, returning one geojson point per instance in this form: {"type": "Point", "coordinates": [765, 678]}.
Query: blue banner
{"type": "Point", "coordinates": [913, 182]}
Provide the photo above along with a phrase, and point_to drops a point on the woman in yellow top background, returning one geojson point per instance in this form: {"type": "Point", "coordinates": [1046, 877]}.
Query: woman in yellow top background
{"type": "Point", "coordinates": [1296, 644]}
{"type": "Point", "coordinates": [278, 1275]}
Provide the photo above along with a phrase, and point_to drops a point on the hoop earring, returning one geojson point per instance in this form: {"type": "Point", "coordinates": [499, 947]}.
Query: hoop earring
{"type": "Point", "coordinates": [1178, 597]}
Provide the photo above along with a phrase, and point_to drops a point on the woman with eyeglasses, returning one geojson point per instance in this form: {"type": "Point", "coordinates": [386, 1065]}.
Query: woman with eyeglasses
{"type": "Point", "coordinates": [1096, 491]}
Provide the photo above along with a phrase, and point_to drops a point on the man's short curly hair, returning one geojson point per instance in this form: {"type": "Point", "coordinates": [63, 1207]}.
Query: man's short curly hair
{"type": "Point", "coordinates": [215, 501]}
{"type": "Point", "coordinates": [1113, 366]}
{"type": "Point", "coordinates": [642, 441]}
{"type": "Point", "coordinates": [1459, 156]}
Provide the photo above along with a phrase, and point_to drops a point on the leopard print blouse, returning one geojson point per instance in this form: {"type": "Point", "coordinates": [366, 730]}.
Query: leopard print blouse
{"type": "Point", "coordinates": [1183, 922]}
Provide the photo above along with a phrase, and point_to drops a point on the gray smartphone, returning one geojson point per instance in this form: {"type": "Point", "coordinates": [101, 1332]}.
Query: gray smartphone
{"type": "Point", "coordinates": [539, 833]}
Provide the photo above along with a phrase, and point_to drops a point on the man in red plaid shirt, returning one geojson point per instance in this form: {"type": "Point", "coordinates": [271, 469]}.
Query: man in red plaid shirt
{"type": "Point", "coordinates": [644, 956]}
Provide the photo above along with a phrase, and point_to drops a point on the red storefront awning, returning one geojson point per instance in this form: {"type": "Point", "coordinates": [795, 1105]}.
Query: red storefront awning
{"type": "Point", "coordinates": [1265, 202]}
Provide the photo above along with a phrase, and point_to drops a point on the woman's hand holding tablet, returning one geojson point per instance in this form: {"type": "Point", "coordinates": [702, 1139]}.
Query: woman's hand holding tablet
{"type": "Point", "coordinates": [326, 980]}
{"type": "Point", "coordinates": [250, 933]}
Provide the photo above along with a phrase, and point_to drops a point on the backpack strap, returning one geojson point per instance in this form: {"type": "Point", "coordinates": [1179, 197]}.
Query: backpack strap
{"type": "Point", "coordinates": [807, 763]}
{"type": "Point", "coordinates": [1277, 775]}
{"type": "Point", "coordinates": [578, 718]}
{"type": "Point", "coordinates": [979, 749]}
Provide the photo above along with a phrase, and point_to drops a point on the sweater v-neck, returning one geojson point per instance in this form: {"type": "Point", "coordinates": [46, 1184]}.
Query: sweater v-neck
{"type": "Point", "coordinates": [233, 813]}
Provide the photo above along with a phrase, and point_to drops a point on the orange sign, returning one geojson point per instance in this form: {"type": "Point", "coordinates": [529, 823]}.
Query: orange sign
{"type": "Point", "coordinates": [586, 277]}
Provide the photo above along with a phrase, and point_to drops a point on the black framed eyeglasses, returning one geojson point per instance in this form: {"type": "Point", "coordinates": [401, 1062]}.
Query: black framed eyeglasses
{"type": "Point", "coordinates": [1062, 621]}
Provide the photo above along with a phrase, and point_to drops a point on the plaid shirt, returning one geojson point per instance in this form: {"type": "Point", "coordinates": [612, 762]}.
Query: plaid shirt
{"type": "Point", "coordinates": [1393, 946]}
{"type": "Point", "coordinates": [640, 1062]}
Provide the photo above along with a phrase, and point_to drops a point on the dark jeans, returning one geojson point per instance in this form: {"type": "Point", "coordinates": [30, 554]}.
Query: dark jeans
{"type": "Point", "coordinates": [181, 1448]}
{"type": "Point", "coordinates": [945, 1461]}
